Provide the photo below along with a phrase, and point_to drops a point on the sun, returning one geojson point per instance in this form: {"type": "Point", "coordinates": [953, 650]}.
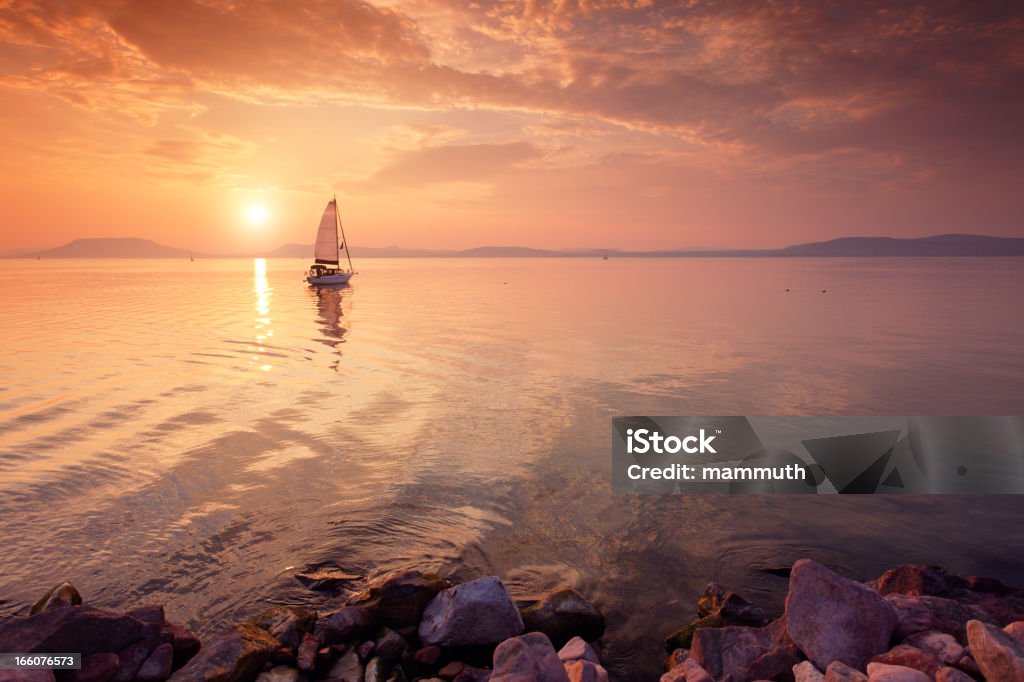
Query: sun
{"type": "Point", "coordinates": [257, 214]}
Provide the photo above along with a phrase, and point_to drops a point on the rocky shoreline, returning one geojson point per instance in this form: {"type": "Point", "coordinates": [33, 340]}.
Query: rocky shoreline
{"type": "Point", "coordinates": [913, 624]}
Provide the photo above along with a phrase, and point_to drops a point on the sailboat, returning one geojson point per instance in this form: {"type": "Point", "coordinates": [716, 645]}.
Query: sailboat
{"type": "Point", "coordinates": [326, 268]}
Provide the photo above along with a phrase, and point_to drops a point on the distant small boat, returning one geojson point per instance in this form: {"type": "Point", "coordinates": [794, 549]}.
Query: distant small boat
{"type": "Point", "coordinates": [605, 256]}
{"type": "Point", "coordinates": [326, 268]}
{"type": "Point", "coordinates": [191, 259]}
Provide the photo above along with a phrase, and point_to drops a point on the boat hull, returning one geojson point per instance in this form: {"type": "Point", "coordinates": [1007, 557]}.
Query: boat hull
{"type": "Point", "coordinates": [326, 280]}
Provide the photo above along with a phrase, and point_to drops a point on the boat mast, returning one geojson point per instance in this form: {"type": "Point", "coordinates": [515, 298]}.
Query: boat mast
{"type": "Point", "coordinates": [337, 214]}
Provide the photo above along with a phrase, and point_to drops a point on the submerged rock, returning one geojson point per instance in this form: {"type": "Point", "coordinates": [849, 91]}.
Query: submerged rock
{"type": "Point", "coordinates": [562, 615]}
{"type": "Point", "coordinates": [399, 600]}
{"type": "Point", "coordinates": [999, 655]}
{"type": "Point", "coordinates": [57, 597]}
{"type": "Point", "coordinates": [831, 618]}
{"type": "Point", "coordinates": [287, 624]}
{"type": "Point", "coordinates": [477, 612]}
{"type": "Point", "coordinates": [528, 657]}
{"type": "Point", "coordinates": [325, 578]}
{"type": "Point", "coordinates": [233, 657]}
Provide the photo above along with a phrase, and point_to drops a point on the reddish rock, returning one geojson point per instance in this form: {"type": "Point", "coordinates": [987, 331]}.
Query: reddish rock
{"type": "Point", "coordinates": [11, 675]}
{"type": "Point", "coordinates": [910, 657]}
{"type": "Point", "coordinates": [1016, 629]}
{"type": "Point", "coordinates": [158, 665]}
{"type": "Point", "coordinates": [838, 671]}
{"type": "Point", "coordinates": [577, 649]}
{"type": "Point", "coordinates": [452, 670]}
{"type": "Point", "coordinates": [236, 656]}
{"type": "Point", "coordinates": [79, 629]}
{"type": "Point", "coordinates": [806, 672]}
{"type": "Point", "coordinates": [729, 651]}
{"type": "Point", "coordinates": [695, 673]}
{"type": "Point", "coordinates": [968, 665]}
{"type": "Point", "coordinates": [149, 614]}
{"type": "Point", "coordinates": [883, 672]}
{"type": "Point", "coordinates": [471, 674]}
{"type": "Point", "coordinates": [427, 655]}
{"type": "Point", "coordinates": [185, 644]}
{"type": "Point", "coordinates": [925, 613]}
{"type": "Point", "coordinates": [527, 657]}
{"type": "Point", "coordinates": [948, 674]}
{"type": "Point", "coordinates": [776, 664]}
{"type": "Point", "coordinates": [57, 597]}
{"type": "Point", "coordinates": [831, 618]}
{"type": "Point", "coordinates": [305, 658]}
{"type": "Point", "coordinates": [96, 668]}
{"type": "Point", "coordinates": [365, 650]}
{"type": "Point", "coordinates": [399, 600]}
{"type": "Point", "coordinates": [585, 671]}
{"type": "Point", "coordinates": [918, 580]}
{"type": "Point", "coordinates": [999, 655]}
{"type": "Point", "coordinates": [286, 624]}
{"type": "Point", "coordinates": [131, 658]}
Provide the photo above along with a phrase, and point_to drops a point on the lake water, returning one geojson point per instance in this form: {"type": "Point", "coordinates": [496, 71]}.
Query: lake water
{"type": "Point", "coordinates": [196, 433]}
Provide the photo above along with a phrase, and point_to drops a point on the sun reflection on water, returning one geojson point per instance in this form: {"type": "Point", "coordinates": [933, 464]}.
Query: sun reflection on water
{"type": "Point", "coordinates": [261, 285]}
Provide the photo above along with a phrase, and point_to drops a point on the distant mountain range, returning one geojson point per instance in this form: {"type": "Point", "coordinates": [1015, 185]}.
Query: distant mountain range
{"type": "Point", "coordinates": [849, 247]}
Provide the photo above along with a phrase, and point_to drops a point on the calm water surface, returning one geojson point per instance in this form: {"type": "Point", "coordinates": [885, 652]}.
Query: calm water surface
{"type": "Point", "coordinates": [196, 433]}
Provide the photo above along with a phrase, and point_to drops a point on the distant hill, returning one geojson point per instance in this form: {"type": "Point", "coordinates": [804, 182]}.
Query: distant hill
{"type": "Point", "coordinates": [117, 247]}
{"type": "Point", "coordinates": [941, 245]}
{"type": "Point", "coordinates": [947, 245]}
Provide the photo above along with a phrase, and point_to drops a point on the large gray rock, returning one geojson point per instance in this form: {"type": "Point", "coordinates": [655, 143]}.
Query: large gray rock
{"type": "Point", "coordinates": [831, 618]}
{"type": "Point", "coordinates": [564, 614]}
{"type": "Point", "coordinates": [916, 614]}
{"type": "Point", "coordinates": [883, 672]}
{"type": "Point", "coordinates": [999, 655]}
{"type": "Point", "coordinates": [527, 658]}
{"type": "Point", "coordinates": [57, 597]}
{"type": "Point", "coordinates": [728, 652]}
{"type": "Point", "coordinates": [233, 657]}
{"type": "Point", "coordinates": [81, 629]}
{"type": "Point", "coordinates": [477, 612]}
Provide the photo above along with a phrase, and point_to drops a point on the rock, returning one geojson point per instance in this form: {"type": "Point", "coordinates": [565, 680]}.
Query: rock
{"type": "Point", "coordinates": [305, 657]}
{"type": "Point", "coordinates": [348, 622]}
{"type": "Point", "coordinates": [941, 645]}
{"type": "Point", "coordinates": [365, 650]}
{"type": "Point", "coordinates": [1016, 629]}
{"type": "Point", "coordinates": [158, 665]}
{"type": "Point", "coordinates": [675, 658]}
{"type": "Point", "coordinates": [95, 668]}
{"type": "Point", "coordinates": [471, 674]}
{"type": "Point", "coordinates": [281, 673]}
{"type": "Point", "coordinates": [235, 656]}
{"type": "Point", "coordinates": [806, 672]}
{"type": "Point", "coordinates": [840, 672]}
{"type": "Point", "coordinates": [577, 649]}
{"type": "Point", "coordinates": [729, 651]}
{"type": "Point", "coordinates": [677, 674]}
{"type": "Point", "coordinates": [325, 578]}
{"type": "Point", "coordinates": [882, 672]}
{"type": "Point", "coordinates": [530, 657]}
{"type": "Point", "coordinates": [282, 656]}
{"type": "Point", "coordinates": [185, 644]}
{"type": "Point", "coordinates": [695, 673]}
{"type": "Point", "coordinates": [427, 655]}
{"type": "Point", "coordinates": [910, 657]}
{"type": "Point", "coordinates": [716, 609]}
{"type": "Point", "coordinates": [9, 675]}
{"type": "Point", "coordinates": [968, 665]}
{"type": "Point", "coordinates": [286, 624]}
{"type": "Point", "coordinates": [564, 614]}
{"type": "Point", "coordinates": [451, 670]}
{"type": "Point", "coordinates": [924, 613]}
{"type": "Point", "coordinates": [79, 629]}
{"type": "Point", "coordinates": [585, 671]}
{"type": "Point", "coordinates": [131, 658]}
{"type": "Point", "coordinates": [999, 655]}
{"type": "Point", "coordinates": [776, 664]}
{"type": "Point", "coordinates": [347, 669]}
{"type": "Point", "coordinates": [57, 597]}
{"type": "Point", "coordinates": [1000, 604]}
{"type": "Point", "coordinates": [390, 646]}
{"type": "Point", "coordinates": [918, 580]}
{"type": "Point", "coordinates": [399, 599]}
{"type": "Point", "coordinates": [948, 674]}
{"type": "Point", "coordinates": [831, 618]}
{"type": "Point", "coordinates": [376, 670]}
{"type": "Point", "coordinates": [477, 612]}
{"type": "Point", "coordinates": [149, 614]}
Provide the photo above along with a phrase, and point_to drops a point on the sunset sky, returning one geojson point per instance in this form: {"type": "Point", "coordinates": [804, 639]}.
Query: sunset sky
{"type": "Point", "coordinates": [224, 126]}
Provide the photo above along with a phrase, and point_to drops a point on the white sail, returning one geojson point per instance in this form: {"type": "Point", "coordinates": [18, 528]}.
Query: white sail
{"type": "Point", "coordinates": [326, 250]}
